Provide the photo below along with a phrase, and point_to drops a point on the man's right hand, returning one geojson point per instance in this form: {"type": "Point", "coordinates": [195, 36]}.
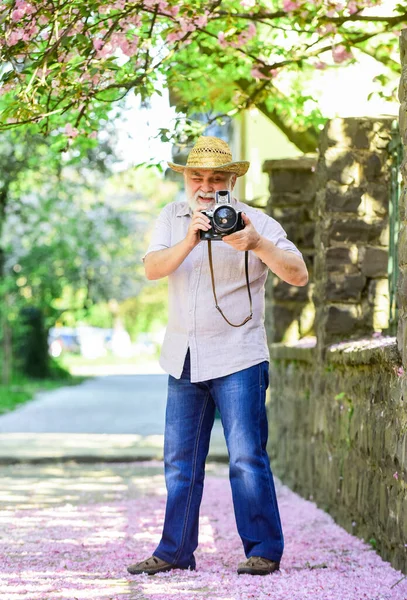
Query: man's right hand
{"type": "Point", "coordinates": [198, 222]}
{"type": "Point", "coordinates": [162, 263]}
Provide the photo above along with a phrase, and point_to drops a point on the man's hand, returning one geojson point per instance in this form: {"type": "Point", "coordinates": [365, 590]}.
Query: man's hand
{"type": "Point", "coordinates": [198, 222]}
{"type": "Point", "coordinates": [246, 239]}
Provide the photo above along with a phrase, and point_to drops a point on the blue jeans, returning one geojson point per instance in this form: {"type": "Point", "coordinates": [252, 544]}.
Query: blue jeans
{"type": "Point", "coordinates": [240, 399]}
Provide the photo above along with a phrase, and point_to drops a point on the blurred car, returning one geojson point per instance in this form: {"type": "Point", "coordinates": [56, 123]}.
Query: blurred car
{"type": "Point", "coordinates": [63, 339]}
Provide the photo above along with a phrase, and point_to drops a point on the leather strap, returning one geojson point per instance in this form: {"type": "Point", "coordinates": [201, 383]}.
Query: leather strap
{"type": "Point", "coordinates": [246, 266]}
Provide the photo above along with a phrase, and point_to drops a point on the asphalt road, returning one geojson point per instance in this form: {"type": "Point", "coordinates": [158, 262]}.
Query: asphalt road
{"type": "Point", "coordinates": [111, 404]}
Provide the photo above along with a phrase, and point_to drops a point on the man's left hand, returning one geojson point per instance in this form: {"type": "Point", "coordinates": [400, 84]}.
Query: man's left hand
{"type": "Point", "coordinates": [246, 239]}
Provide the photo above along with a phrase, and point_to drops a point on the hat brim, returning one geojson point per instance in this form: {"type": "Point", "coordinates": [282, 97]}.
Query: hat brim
{"type": "Point", "coordinates": [239, 168]}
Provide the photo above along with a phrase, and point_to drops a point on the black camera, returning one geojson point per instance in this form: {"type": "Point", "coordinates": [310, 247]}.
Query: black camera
{"type": "Point", "coordinates": [223, 217]}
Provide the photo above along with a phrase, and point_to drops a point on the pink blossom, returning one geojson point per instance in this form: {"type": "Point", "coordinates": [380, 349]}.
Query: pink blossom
{"type": "Point", "coordinates": [97, 44]}
{"type": "Point", "coordinates": [172, 11]}
{"type": "Point", "coordinates": [14, 37]}
{"type": "Point", "coordinates": [255, 72]}
{"type": "Point", "coordinates": [78, 544]}
{"type": "Point", "coordinates": [340, 54]}
{"type": "Point", "coordinates": [352, 7]}
{"type": "Point", "coordinates": [328, 28]}
{"type": "Point", "coordinates": [400, 371]}
{"type": "Point", "coordinates": [289, 5]}
{"type": "Point", "coordinates": [202, 20]}
{"type": "Point", "coordinates": [134, 20]}
{"type": "Point", "coordinates": [7, 87]}
{"type": "Point", "coordinates": [248, 3]}
{"type": "Point", "coordinates": [251, 30]}
{"type": "Point", "coordinates": [172, 37]}
{"type": "Point", "coordinates": [396, 475]}
{"type": "Point", "coordinates": [18, 14]}
{"type": "Point", "coordinates": [246, 35]}
{"type": "Point", "coordinates": [70, 131]}
{"type": "Point", "coordinates": [321, 65]}
{"type": "Point", "coordinates": [30, 32]}
{"type": "Point", "coordinates": [187, 26]}
{"type": "Point", "coordinates": [222, 39]}
{"type": "Point", "coordinates": [106, 50]}
{"type": "Point", "coordinates": [129, 48]}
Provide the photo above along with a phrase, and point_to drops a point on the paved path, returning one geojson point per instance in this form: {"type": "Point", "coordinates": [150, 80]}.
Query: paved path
{"type": "Point", "coordinates": [117, 417]}
{"type": "Point", "coordinates": [68, 531]}
{"type": "Point", "coordinates": [112, 404]}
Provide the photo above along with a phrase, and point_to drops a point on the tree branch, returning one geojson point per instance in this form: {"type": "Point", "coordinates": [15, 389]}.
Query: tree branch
{"type": "Point", "coordinates": [306, 141]}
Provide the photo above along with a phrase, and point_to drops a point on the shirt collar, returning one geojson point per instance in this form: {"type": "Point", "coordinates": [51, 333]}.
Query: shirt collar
{"type": "Point", "coordinates": [183, 209]}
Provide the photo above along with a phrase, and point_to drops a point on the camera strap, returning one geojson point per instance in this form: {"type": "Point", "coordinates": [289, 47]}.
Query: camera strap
{"type": "Point", "coordinates": [246, 266]}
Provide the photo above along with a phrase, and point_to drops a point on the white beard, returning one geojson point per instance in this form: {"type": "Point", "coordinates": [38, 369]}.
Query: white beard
{"type": "Point", "coordinates": [193, 200]}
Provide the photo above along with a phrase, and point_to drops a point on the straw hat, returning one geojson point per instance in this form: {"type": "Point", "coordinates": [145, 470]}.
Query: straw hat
{"type": "Point", "coordinates": [212, 153]}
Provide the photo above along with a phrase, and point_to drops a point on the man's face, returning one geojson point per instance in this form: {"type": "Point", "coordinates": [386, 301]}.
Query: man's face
{"type": "Point", "coordinates": [201, 185]}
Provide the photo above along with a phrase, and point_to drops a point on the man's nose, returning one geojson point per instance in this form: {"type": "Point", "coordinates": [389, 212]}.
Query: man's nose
{"type": "Point", "coordinates": [207, 187]}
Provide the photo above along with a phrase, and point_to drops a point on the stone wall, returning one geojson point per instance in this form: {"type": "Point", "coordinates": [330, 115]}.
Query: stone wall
{"type": "Point", "coordinates": [402, 296]}
{"type": "Point", "coordinates": [290, 311]}
{"type": "Point", "coordinates": [337, 414]}
{"type": "Point", "coordinates": [338, 436]}
{"type": "Point", "coordinates": [352, 236]}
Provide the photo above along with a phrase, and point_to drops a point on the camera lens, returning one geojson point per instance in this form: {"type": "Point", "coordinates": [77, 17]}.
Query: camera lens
{"type": "Point", "coordinates": [224, 218]}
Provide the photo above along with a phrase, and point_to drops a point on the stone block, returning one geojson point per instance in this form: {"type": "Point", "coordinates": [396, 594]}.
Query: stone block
{"type": "Point", "coordinates": [336, 257]}
{"type": "Point", "coordinates": [403, 166]}
{"type": "Point", "coordinates": [278, 198]}
{"type": "Point", "coordinates": [342, 288]}
{"type": "Point", "coordinates": [373, 167]}
{"type": "Point", "coordinates": [403, 58]}
{"type": "Point", "coordinates": [375, 199]}
{"type": "Point", "coordinates": [283, 291]}
{"type": "Point", "coordinates": [305, 163]}
{"type": "Point", "coordinates": [283, 318]}
{"type": "Point", "coordinates": [402, 336]}
{"type": "Point", "coordinates": [341, 319]}
{"type": "Point", "coordinates": [355, 230]}
{"type": "Point", "coordinates": [402, 243]}
{"type": "Point", "coordinates": [343, 198]}
{"type": "Point", "coordinates": [290, 180]}
{"type": "Point", "coordinates": [353, 167]}
{"type": "Point", "coordinates": [356, 132]}
{"type": "Point", "coordinates": [403, 118]}
{"type": "Point", "coordinates": [290, 214]}
{"type": "Point", "coordinates": [375, 262]}
{"type": "Point", "coordinates": [378, 291]}
{"type": "Point", "coordinates": [343, 166]}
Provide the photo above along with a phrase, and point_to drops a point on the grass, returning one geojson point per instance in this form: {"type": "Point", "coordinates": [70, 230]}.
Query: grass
{"type": "Point", "coordinates": [22, 389]}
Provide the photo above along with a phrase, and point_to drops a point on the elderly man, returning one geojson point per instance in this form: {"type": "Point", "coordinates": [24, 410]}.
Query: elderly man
{"type": "Point", "coordinates": [217, 358]}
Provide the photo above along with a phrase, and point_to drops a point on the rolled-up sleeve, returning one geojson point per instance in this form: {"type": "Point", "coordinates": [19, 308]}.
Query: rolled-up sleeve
{"type": "Point", "coordinates": [161, 236]}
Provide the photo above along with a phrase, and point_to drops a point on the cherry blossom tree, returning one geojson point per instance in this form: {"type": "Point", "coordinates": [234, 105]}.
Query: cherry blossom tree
{"type": "Point", "coordinates": [65, 64]}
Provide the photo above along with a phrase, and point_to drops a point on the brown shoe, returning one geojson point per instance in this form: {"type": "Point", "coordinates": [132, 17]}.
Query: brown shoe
{"type": "Point", "coordinates": [151, 566]}
{"type": "Point", "coordinates": [257, 565]}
